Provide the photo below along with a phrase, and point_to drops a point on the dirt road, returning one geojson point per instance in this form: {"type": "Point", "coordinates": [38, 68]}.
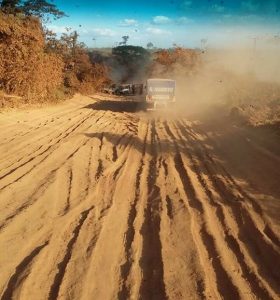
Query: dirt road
{"type": "Point", "coordinates": [101, 201]}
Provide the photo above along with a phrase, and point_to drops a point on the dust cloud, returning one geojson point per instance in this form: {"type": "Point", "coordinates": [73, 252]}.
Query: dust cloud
{"type": "Point", "coordinates": [246, 78]}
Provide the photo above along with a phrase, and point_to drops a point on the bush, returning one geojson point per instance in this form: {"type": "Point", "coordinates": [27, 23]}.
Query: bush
{"type": "Point", "coordinates": [38, 66]}
{"type": "Point", "coordinates": [26, 69]}
{"type": "Point", "coordinates": [175, 62]}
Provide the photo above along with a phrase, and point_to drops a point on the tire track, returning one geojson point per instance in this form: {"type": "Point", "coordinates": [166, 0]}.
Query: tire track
{"type": "Point", "coordinates": [62, 265]}
{"type": "Point", "coordinates": [231, 240]}
{"type": "Point", "coordinates": [40, 190]}
{"type": "Point", "coordinates": [225, 284]}
{"type": "Point", "coordinates": [230, 182]}
{"type": "Point", "coordinates": [42, 137]}
{"type": "Point", "coordinates": [21, 272]}
{"type": "Point", "coordinates": [184, 263]}
{"type": "Point", "coordinates": [23, 133]}
{"type": "Point", "coordinates": [124, 292]}
{"type": "Point", "coordinates": [152, 284]}
{"type": "Point", "coordinates": [51, 147]}
{"type": "Point", "coordinates": [59, 138]}
{"type": "Point", "coordinates": [101, 167]}
{"type": "Point", "coordinates": [246, 228]}
{"type": "Point", "coordinates": [67, 205]}
{"type": "Point", "coordinates": [89, 246]}
{"type": "Point", "coordinates": [234, 185]}
{"type": "Point", "coordinates": [202, 236]}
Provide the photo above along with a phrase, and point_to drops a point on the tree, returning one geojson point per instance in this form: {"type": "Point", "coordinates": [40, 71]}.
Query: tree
{"type": "Point", "coordinates": [68, 46]}
{"type": "Point", "coordinates": [133, 60]}
{"type": "Point", "coordinates": [53, 44]}
{"type": "Point", "coordinates": [38, 8]}
{"type": "Point", "coordinates": [150, 45]}
{"type": "Point", "coordinates": [41, 8]}
{"type": "Point", "coordinates": [70, 39]}
{"type": "Point", "coordinates": [9, 4]}
{"type": "Point", "coordinates": [125, 39]}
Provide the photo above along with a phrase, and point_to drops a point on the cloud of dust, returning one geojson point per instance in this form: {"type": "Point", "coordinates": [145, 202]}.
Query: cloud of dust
{"type": "Point", "coordinates": [230, 77]}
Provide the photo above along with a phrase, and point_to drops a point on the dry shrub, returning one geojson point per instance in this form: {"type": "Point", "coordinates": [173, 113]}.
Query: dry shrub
{"type": "Point", "coordinates": [85, 76]}
{"type": "Point", "coordinates": [176, 62]}
{"type": "Point", "coordinates": [25, 68]}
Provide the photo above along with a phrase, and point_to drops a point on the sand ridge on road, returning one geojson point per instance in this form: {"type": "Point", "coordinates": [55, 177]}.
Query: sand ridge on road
{"type": "Point", "coordinates": [99, 201]}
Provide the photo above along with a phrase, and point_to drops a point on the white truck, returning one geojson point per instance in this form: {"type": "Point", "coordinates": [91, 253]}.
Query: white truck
{"type": "Point", "coordinates": [160, 92]}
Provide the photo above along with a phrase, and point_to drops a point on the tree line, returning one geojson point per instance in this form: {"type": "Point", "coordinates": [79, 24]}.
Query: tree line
{"type": "Point", "coordinates": [38, 8]}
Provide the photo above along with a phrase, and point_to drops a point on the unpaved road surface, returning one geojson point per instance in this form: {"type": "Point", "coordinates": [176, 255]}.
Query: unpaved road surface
{"type": "Point", "coordinates": [101, 201]}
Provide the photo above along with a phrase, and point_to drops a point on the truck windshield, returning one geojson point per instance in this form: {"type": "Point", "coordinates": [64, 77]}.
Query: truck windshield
{"type": "Point", "coordinates": [161, 87]}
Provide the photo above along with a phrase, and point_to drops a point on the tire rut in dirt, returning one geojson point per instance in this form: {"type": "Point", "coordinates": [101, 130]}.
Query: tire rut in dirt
{"type": "Point", "coordinates": [23, 147]}
{"type": "Point", "coordinates": [230, 240]}
{"type": "Point", "coordinates": [152, 285]}
{"type": "Point", "coordinates": [54, 291]}
{"type": "Point", "coordinates": [49, 179]}
{"type": "Point", "coordinates": [18, 276]}
{"type": "Point", "coordinates": [254, 243]}
{"type": "Point", "coordinates": [197, 211]}
{"type": "Point", "coordinates": [124, 292]}
{"type": "Point", "coordinates": [59, 138]}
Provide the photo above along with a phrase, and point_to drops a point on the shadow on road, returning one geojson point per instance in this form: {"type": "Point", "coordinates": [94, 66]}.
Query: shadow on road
{"type": "Point", "coordinates": [118, 106]}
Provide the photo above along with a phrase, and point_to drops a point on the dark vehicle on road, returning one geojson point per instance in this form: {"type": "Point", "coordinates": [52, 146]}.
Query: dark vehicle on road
{"type": "Point", "coordinates": [127, 89]}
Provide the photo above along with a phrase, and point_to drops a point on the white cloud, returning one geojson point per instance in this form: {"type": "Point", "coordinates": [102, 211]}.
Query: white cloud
{"type": "Point", "coordinates": [128, 23]}
{"type": "Point", "coordinates": [57, 29]}
{"type": "Point", "coordinates": [103, 32]}
{"type": "Point", "coordinates": [97, 32]}
{"type": "Point", "coordinates": [83, 31]}
{"type": "Point", "coordinates": [161, 20]}
{"type": "Point", "coordinates": [183, 21]}
{"type": "Point", "coordinates": [157, 31]}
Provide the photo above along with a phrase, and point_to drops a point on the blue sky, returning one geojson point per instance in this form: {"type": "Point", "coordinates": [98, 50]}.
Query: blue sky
{"type": "Point", "coordinates": [165, 22]}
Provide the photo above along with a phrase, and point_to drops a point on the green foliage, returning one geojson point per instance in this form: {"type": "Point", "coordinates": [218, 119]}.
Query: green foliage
{"type": "Point", "coordinates": [125, 40]}
{"type": "Point", "coordinates": [38, 8]}
{"type": "Point", "coordinates": [132, 59]}
{"type": "Point", "coordinates": [9, 3]}
{"type": "Point", "coordinates": [150, 45]}
{"type": "Point", "coordinates": [128, 55]}
{"type": "Point", "coordinates": [41, 8]}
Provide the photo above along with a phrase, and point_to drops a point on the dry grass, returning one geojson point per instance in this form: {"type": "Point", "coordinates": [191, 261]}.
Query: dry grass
{"type": "Point", "coordinates": [26, 70]}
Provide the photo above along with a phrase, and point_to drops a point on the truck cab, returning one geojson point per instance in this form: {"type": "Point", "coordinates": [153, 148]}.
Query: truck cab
{"type": "Point", "coordinates": [160, 92]}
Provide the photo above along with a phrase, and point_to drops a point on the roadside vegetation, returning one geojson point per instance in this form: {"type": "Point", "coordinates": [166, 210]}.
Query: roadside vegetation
{"type": "Point", "coordinates": [35, 64]}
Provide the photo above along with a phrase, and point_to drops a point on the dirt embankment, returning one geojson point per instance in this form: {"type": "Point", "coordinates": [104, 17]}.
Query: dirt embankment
{"type": "Point", "coordinates": [102, 201]}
